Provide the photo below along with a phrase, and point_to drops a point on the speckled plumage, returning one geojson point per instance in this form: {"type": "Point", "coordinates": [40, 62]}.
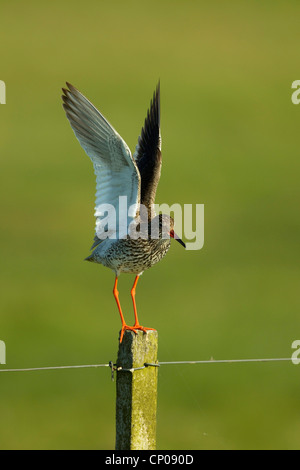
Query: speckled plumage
{"type": "Point", "coordinates": [134, 256]}
{"type": "Point", "coordinates": [130, 256]}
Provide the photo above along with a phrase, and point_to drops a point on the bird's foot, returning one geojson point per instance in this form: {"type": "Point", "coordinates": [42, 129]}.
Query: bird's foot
{"type": "Point", "coordinates": [124, 328]}
{"type": "Point", "coordinates": [143, 328]}
{"type": "Point", "coordinates": [133, 328]}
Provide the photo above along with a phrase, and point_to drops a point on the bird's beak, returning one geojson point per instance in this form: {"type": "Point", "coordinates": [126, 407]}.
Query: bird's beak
{"type": "Point", "coordinates": [173, 235]}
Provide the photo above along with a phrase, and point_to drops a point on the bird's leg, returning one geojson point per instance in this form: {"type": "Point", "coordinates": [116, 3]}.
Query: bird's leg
{"type": "Point", "coordinates": [136, 325]}
{"type": "Point", "coordinates": [116, 295]}
{"type": "Point", "coordinates": [124, 326]}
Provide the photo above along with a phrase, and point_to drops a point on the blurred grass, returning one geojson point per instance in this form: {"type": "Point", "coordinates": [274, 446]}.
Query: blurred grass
{"type": "Point", "coordinates": [230, 141]}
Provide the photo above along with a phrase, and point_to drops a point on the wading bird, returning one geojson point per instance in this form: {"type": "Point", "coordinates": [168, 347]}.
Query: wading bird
{"type": "Point", "coordinates": [118, 173]}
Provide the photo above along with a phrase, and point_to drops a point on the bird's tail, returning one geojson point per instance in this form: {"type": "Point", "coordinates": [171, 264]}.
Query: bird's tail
{"type": "Point", "coordinates": [90, 258]}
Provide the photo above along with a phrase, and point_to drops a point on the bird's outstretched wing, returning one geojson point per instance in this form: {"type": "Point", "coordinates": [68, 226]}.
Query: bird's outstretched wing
{"type": "Point", "coordinates": [148, 153]}
{"type": "Point", "coordinates": [116, 171]}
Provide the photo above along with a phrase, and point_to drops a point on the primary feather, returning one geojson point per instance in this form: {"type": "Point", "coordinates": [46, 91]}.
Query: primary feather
{"type": "Point", "coordinates": [116, 171]}
{"type": "Point", "coordinates": [148, 154]}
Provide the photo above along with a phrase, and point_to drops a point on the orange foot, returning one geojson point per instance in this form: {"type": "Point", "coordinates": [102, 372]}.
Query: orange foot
{"type": "Point", "coordinates": [143, 328]}
{"type": "Point", "coordinates": [133, 328]}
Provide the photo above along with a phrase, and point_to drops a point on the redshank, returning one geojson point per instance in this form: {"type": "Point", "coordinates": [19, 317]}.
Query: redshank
{"type": "Point", "coordinates": [118, 173]}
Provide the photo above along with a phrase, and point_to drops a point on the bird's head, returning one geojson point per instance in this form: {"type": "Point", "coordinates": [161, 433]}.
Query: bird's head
{"type": "Point", "coordinates": [166, 225]}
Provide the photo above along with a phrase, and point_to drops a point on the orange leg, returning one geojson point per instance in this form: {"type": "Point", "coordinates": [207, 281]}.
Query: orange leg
{"type": "Point", "coordinates": [124, 326]}
{"type": "Point", "coordinates": [136, 325]}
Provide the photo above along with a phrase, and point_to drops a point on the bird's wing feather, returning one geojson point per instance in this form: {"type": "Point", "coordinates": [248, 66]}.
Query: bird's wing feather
{"type": "Point", "coordinates": [148, 153]}
{"type": "Point", "coordinates": [116, 171]}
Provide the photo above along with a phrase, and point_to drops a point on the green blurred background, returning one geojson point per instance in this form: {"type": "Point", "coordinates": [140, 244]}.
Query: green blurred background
{"type": "Point", "coordinates": [230, 141]}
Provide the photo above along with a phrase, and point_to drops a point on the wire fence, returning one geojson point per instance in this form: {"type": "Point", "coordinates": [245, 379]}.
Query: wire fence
{"type": "Point", "coordinates": [115, 368]}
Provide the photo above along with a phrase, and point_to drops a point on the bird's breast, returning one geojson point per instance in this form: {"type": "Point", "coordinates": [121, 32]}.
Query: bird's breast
{"type": "Point", "coordinates": [131, 256]}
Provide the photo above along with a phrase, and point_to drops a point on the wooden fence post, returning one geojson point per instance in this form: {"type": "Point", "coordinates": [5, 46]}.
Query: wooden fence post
{"type": "Point", "coordinates": [137, 392]}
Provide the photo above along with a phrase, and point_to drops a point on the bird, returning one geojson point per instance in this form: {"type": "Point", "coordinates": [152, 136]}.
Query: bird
{"type": "Point", "coordinates": [129, 246]}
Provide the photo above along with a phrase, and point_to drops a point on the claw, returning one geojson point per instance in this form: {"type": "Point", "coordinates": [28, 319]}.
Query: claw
{"type": "Point", "coordinates": [143, 328]}
{"type": "Point", "coordinates": [126, 327]}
